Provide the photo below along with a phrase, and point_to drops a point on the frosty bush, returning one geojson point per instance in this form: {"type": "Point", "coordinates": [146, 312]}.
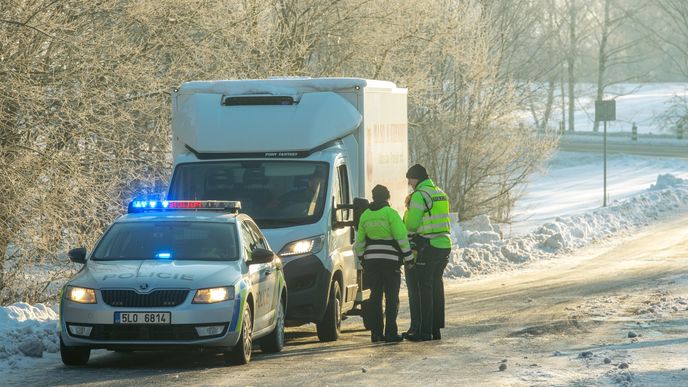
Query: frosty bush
{"type": "Point", "coordinates": [85, 102]}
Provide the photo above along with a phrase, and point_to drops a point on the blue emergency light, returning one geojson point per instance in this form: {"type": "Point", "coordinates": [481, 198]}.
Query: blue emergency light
{"type": "Point", "coordinates": [167, 205]}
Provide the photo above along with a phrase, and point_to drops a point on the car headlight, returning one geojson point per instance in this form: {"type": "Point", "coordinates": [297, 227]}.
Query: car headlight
{"type": "Point", "coordinates": [304, 246]}
{"type": "Point", "coordinates": [80, 295]}
{"type": "Point", "coordinates": [212, 295]}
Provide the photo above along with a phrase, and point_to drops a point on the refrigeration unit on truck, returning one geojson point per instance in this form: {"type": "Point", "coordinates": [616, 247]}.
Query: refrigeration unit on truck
{"type": "Point", "coordinates": [295, 152]}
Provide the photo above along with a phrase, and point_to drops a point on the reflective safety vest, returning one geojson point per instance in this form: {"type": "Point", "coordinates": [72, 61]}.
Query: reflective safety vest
{"type": "Point", "coordinates": [381, 234]}
{"type": "Point", "coordinates": [428, 215]}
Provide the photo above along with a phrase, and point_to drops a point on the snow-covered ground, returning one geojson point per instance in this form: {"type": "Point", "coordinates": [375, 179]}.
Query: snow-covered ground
{"type": "Point", "coordinates": [572, 184]}
{"type": "Point", "coordinates": [562, 210]}
{"type": "Point", "coordinates": [28, 334]}
{"type": "Point", "coordinates": [642, 103]}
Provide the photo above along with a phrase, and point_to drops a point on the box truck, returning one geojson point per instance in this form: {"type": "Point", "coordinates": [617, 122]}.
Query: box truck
{"type": "Point", "coordinates": [296, 152]}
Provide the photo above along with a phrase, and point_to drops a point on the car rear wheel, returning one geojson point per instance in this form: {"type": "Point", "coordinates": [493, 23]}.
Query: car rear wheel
{"type": "Point", "coordinates": [274, 342]}
{"type": "Point", "coordinates": [74, 356]}
{"type": "Point", "coordinates": [330, 326]}
{"type": "Point", "coordinates": [241, 354]}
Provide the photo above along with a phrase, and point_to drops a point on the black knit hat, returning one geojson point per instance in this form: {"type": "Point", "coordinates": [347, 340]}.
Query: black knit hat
{"type": "Point", "coordinates": [417, 172]}
{"type": "Point", "coordinates": [380, 193]}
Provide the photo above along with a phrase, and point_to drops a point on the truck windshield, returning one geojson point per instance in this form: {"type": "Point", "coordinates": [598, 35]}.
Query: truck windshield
{"type": "Point", "coordinates": [196, 241]}
{"type": "Point", "coordinates": [273, 193]}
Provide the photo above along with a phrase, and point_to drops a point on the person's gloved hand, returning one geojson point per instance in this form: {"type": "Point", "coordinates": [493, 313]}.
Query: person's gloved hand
{"type": "Point", "coordinates": [410, 264]}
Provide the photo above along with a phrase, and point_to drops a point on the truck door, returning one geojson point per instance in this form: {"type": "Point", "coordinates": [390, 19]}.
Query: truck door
{"type": "Point", "coordinates": [344, 236]}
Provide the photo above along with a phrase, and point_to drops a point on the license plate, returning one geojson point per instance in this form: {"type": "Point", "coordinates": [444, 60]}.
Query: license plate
{"type": "Point", "coordinates": [143, 317]}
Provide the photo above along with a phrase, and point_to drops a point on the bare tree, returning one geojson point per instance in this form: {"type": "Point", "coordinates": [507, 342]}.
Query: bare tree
{"type": "Point", "coordinates": [675, 33]}
{"type": "Point", "coordinates": [571, 60]}
{"type": "Point", "coordinates": [85, 105]}
{"type": "Point", "coordinates": [462, 116]}
{"type": "Point", "coordinates": [614, 52]}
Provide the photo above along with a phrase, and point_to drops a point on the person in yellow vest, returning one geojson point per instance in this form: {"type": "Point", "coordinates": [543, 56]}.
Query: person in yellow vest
{"type": "Point", "coordinates": [428, 224]}
{"type": "Point", "coordinates": [382, 246]}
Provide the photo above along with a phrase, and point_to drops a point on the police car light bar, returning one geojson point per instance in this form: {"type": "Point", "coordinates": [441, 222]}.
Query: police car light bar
{"type": "Point", "coordinates": [165, 205]}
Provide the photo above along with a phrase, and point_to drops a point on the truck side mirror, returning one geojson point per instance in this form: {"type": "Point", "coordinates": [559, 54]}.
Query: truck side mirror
{"type": "Point", "coordinates": [77, 255]}
{"type": "Point", "coordinates": [360, 205]}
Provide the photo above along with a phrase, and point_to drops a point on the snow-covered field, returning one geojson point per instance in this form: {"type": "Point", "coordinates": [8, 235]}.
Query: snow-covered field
{"type": "Point", "coordinates": [572, 184]}
{"type": "Point", "coordinates": [642, 103]}
{"type": "Point", "coordinates": [482, 248]}
{"type": "Point", "coordinates": [561, 210]}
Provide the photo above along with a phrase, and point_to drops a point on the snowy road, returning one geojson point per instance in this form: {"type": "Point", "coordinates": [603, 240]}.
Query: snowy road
{"type": "Point", "coordinates": [540, 320]}
{"type": "Point", "coordinates": [570, 145]}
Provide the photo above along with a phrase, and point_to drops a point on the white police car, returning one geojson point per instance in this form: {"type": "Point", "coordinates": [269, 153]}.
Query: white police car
{"type": "Point", "coordinates": [175, 275]}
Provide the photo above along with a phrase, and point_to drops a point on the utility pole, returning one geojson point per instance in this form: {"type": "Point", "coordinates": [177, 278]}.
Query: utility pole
{"type": "Point", "coordinates": [605, 111]}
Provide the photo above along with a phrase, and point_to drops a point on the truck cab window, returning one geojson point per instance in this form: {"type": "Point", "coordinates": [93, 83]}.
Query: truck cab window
{"type": "Point", "coordinates": [274, 193]}
{"type": "Point", "coordinates": [343, 193]}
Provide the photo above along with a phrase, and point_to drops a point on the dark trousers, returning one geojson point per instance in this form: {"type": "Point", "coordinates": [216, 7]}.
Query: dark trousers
{"type": "Point", "coordinates": [384, 278]}
{"type": "Point", "coordinates": [411, 275]}
{"type": "Point", "coordinates": [429, 272]}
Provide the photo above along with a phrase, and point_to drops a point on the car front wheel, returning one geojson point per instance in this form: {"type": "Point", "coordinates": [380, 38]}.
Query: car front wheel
{"type": "Point", "coordinates": [274, 342]}
{"type": "Point", "coordinates": [74, 356]}
{"type": "Point", "coordinates": [241, 354]}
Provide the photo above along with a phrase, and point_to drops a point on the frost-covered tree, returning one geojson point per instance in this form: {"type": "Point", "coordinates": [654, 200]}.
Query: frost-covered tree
{"type": "Point", "coordinates": [84, 123]}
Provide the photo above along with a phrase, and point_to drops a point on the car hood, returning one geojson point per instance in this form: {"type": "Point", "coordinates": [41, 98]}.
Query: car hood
{"type": "Point", "coordinates": [146, 275]}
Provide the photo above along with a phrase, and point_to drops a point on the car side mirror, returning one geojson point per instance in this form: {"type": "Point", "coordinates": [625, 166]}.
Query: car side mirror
{"type": "Point", "coordinates": [261, 256]}
{"type": "Point", "coordinates": [77, 255]}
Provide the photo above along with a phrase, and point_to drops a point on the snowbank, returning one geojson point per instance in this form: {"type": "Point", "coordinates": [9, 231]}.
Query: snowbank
{"type": "Point", "coordinates": [27, 331]}
{"type": "Point", "coordinates": [572, 184]}
{"type": "Point", "coordinates": [481, 248]}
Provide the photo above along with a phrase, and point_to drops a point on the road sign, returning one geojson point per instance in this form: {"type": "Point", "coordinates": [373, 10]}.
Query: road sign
{"type": "Point", "coordinates": [605, 110]}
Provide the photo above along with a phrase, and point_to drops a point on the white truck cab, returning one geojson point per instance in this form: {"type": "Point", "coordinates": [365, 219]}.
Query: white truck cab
{"type": "Point", "coordinates": [295, 152]}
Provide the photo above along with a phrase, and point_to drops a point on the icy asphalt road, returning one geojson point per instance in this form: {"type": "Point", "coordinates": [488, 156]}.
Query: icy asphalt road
{"type": "Point", "coordinates": [538, 320]}
{"type": "Point", "coordinates": [680, 149]}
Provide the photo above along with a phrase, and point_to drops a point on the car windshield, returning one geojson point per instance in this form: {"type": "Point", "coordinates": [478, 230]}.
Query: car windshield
{"type": "Point", "coordinates": [273, 193]}
{"type": "Point", "coordinates": [197, 241]}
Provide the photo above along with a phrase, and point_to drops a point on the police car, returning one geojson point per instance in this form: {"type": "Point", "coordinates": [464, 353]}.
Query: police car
{"type": "Point", "coordinates": [175, 275]}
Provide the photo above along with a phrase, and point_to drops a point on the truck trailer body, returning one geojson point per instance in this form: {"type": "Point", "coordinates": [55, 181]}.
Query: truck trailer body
{"type": "Point", "coordinates": [295, 152]}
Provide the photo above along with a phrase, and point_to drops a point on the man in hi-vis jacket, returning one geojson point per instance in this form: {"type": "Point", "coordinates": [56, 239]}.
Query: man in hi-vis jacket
{"type": "Point", "coordinates": [428, 224]}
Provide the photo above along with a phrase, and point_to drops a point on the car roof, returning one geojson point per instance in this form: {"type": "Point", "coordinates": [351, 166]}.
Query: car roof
{"type": "Point", "coordinates": [183, 216]}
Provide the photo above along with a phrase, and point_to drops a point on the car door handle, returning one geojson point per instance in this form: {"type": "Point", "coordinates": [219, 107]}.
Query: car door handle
{"type": "Point", "coordinates": [268, 272]}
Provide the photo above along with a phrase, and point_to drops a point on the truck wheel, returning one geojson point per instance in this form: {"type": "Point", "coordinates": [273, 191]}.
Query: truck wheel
{"type": "Point", "coordinates": [74, 356]}
{"type": "Point", "coordinates": [274, 342]}
{"type": "Point", "coordinates": [330, 326]}
{"type": "Point", "coordinates": [241, 354]}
